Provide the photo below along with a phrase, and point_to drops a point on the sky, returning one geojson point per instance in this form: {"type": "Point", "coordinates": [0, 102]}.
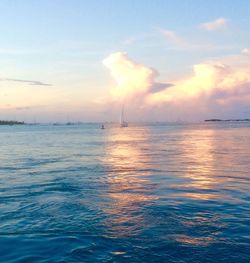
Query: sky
{"type": "Point", "coordinates": [183, 60]}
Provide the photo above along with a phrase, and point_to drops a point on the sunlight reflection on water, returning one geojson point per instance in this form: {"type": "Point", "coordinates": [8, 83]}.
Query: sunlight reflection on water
{"type": "Point", "coordinates": [127, 190]}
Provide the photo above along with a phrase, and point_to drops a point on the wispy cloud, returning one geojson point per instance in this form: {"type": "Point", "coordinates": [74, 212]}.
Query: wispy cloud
{"type": "Point", "coordinates": [178, 42]}
{"type": "Point", "coordinates": [217, 24]}
{"type": "Point", "coordinates": [138, 38]}
{"type": "Point", "coordinates": [30, 82]}
{"type": "Point", "coordinates": [245, 51]}
{"type": "Point", "coordinates": [23, 108]}
{"type": "Point", "coordinates": [33, 107]}
{"type": "Point", "coordinates": [173, 38]}
{"type": "Point", "coordinates": [18, 51]}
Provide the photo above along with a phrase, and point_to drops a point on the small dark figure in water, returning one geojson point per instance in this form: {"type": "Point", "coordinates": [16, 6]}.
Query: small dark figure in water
{"type": "Point", "coordinates": [102, 127]}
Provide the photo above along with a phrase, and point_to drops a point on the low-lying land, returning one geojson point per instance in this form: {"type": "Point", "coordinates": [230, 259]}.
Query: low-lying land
{"type": "Point", "coordinates": [11, 122]}
{"type": "Point", "coordinates": [228, 120]}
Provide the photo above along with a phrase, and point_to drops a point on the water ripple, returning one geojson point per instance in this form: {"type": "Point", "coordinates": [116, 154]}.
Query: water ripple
{"type": "Point", "coordinates": [146, 193]}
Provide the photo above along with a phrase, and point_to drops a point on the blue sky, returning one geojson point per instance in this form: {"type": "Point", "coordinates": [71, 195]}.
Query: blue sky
{"type": "Point", "coordinates": [63, 43]}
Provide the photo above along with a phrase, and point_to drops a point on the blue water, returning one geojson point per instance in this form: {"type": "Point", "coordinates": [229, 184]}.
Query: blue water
{"type": "Point", "coordinates": [146, 193]}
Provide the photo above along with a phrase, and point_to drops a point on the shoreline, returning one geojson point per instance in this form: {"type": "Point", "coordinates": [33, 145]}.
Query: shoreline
{"type": "Point", "coordinates": [227, 120]}
{"type": "Point", "coordinates": [11, 122]}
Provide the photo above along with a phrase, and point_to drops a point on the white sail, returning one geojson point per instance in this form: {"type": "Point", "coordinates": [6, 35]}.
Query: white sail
{"type": "Point", "coordinates": [122, 122]}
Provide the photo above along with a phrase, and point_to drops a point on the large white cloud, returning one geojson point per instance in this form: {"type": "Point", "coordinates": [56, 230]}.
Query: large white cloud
{"type": "Point", "coordinates": [212, 84]}
{"type": "Point", "coordinates": [208, 80]}
{"type": "Point", "coordinates": [133, 80]}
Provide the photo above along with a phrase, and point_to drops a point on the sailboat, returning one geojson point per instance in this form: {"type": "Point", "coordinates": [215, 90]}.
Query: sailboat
{"type": "Point", "coordinates": [123, 123]}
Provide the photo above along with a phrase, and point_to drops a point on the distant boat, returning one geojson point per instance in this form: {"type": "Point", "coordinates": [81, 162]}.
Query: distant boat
{"type": "Point", "coordinates": [123, 123]}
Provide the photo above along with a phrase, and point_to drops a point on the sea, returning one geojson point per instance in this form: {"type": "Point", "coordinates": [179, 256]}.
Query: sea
{"type": "Point", "coordinates": [156, 192]}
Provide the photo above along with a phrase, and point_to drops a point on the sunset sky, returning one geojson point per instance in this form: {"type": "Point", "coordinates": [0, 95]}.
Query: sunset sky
{"type": "Point", "coordinates": [165, 60]}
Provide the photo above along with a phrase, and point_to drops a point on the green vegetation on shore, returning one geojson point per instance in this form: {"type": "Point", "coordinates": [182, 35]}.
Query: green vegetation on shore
{"type": "Point", "coordinates": [11, 122]}
{"type": "Point", "coordinates": [228, 120]}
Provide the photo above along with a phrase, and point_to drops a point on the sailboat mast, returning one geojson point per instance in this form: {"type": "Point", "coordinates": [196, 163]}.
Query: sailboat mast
{"type": "Point", "coordinates": [122, 114]}
{"type": "Point", "coordinates": [122, 122]}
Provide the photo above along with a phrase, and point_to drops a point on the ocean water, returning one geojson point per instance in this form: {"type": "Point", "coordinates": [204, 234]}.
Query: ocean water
{"type": "Point", "coordinates": [146, 193]}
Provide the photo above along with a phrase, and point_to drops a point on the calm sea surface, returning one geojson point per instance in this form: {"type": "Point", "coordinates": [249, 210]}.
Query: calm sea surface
{"type": "Point", "coordinates": [146, 193]}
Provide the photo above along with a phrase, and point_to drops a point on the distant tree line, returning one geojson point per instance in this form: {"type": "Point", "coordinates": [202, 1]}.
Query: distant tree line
{"type": "Point", "coordinates": [228, 120]}
{"type": "Point", "coordinates": [11, 122]}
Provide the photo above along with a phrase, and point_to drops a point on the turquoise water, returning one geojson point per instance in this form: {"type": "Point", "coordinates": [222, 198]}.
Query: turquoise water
{"type": "Point", "coordinates": [146, 193]}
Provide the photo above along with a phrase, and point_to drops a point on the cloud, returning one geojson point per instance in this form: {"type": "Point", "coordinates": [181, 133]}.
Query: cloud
{"type": "Point", "coordinates": [30, 82]}
{"type": "Point", "coordinates": [212, 86]}
{"type": "Point", "coordinates": [173, 38]}
{"type": "Point", "coordinates": [14, 51]}
{"type": "Point", "coordinates": [23, 108]}
{"type": "Point", "coordinates": [217, 24]}
{"type": "Point", "coordinates": [26, 108]}
{"type": "Point", "coordinates": [133, 81]}
{"type": "Point", "coordinates": [209, 80]}
{"type": "Point", "coordinates": [245, 51]}
{"type": "Point", "coordinates": [177, 42]}
{"type": "Point", "coordinates": [140, 37]}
